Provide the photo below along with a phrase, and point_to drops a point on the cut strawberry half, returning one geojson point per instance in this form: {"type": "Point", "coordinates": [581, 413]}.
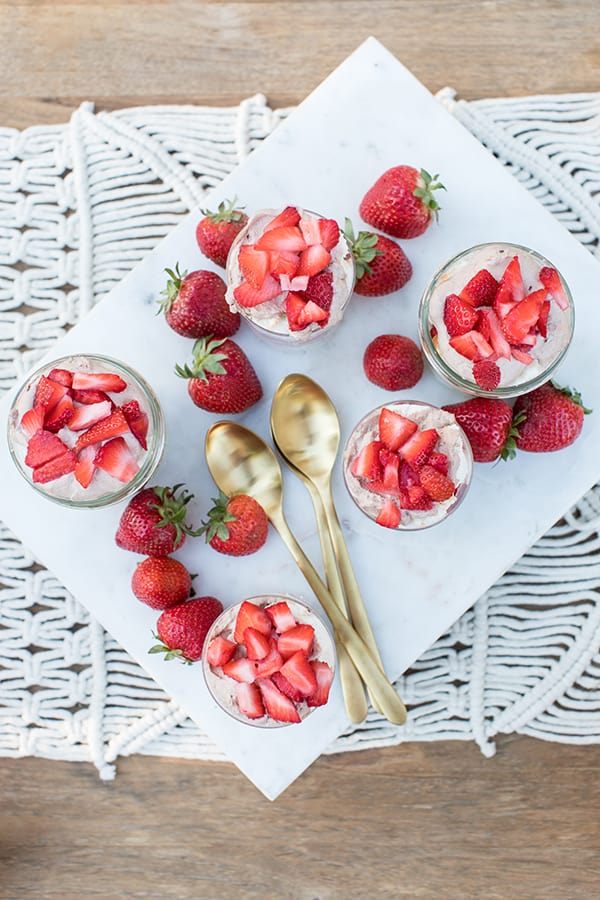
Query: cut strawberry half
{"type": "Point", "coordinates": [254, 264]}
{"type": "Point", "coordinates": [553, 284]}
{"type": "Point", "coordinates": [299, 673]}
{"type": "Point", "coordinates": [284, 237]}
{"type": "Point", "coordinates": [55, 468]}
{"type": "Point", "coordinates": [277, 705]}
{"type": "Point", "coordinates": [367, 463]}
{"type": "Point", "coordinates": [493, 332]}
{"type": "Point", "coordinates": [310, 313]}
{"type": "Point", "coordinates": [471, 345]}
{"type": "Point", "coordinates": [112, 426]}
{"type": "Point", "coordinates": [249, 296]}
{"type": "Point", "coordinates": [330, 233]}
{"type": "Point", "coordinates": [60, 415]}
{"type": "Point", "coordinates": [523, 316]}
{"type": "Point", "coordinates": [324, 675]}
{"type": "Point", "coordinates": [85, 468]}
{"type": "Point", "coordinates": [42, 447]}
{"type": "Point", "coordinates": [257, 644]}
{"type": "Point", "coordinates": [281, 616]}
{"type": "Point", "coordinates": [115, 458]}
{"type": "Point", "coordinates": [284, 262]}
{"type": "Point", "coordinates": [511, 287]}
{"type": "Point", "coordinates": [319, 289]}
{"type": "Point", "coordinates": [310, 230]}
{"type": "Point", "coordinates": [33, 419]}
{"type": "Point", "coordinates": [251, 616]}
{"type": "Point", "coordinates": [137, 420]}
{"type": "Point", "coordinates": [89, 397]}
{"type": "Point", "coordinates": [389, 515]}
{"type": "Point", "coordinates": [299, 638]}
{"type": "Point", "coordinates": [438, 486]}
{"type": "Point", "coordinates": [390, 483]}
{"type": "Point", "coordinates": [294, 306]}
{"type": "Point", "coordinates": [417, 448]}
{"type": "Point", "coordinates": [459, 315]}
{"type": "Point", "coordinates": [249, 700]}
{"type": "Point", "coordinates": [98, 381]}
{"type": "Point", "coordinates": [480, 290]}
{"type": "Point", "coordinates": [313, 260]}
{"type": "Point", "coordinates": [62, 376]}
{"type": "Point", "coordinates": [241, 669]}
{"type": "Point", "coordinates": [281, 682]}
{"type": "Point", "coordinates": [86, 416]}
{"type": "Point", "coordinates": [271, 663]}
{"type": "Point", "coordinates": [220, 651]}
{"type": "Point", "coordinates": [486, 374]}
{"type": "Point", "coordinates": [48, 392]}
{"type": "Point", "coordinates": [288, 216]}
{"type": "Point", "coordinates": [394, 429]}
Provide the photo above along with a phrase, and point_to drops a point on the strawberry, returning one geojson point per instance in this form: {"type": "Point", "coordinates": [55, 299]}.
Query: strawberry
{"type": "Point", "coordinates": [471, 345]}
{"type": "Point", "coordinates": [33, 419]}
{"type": "Point", "coordinates": [480, 290]}
{"type": "Point", "coordinates": [219, 651]}
{"type": "Point", "coordinates": [329, 233]}
{"type": "Point", "coordinates": [522, 317]}
{"type": "Point", "coordinates": [240, 669]}
{"type": "Point", "coordinates": [249, 700]}
{"type": "Point", "coordinates": [48, 393]}
{"type": "Point", "coordinates": [153, 522]}
{"type": "Point", "coordinates": [91, 396]}
{"type": "Point", "coordinates": [522, 356]}
{"type": "Point", "coordinates": [270, 664]}
{"type": "Point", "coordinates": [490, 328]}
{"type": "Point", "coordinates": [221, 377]}
{"type": "Point", "coordinates": [85, 467]}
{"type": "Point", "coordinates": [254, 265]}
{"type": "Point", "coordinates": [415, 497]}
{"type": "Point", "coordinates": [389, 514]}
{"type": "Point", "coordinates": [488, 425]}
{"type": "Point", "coordinates": [324, 675]}
{"type": "Point", "coordinates": [42, 447]}
{"type": "Point", "coordinates": [287, 217]}
{"type": "Point", "coordinates": [313, 260]}
{"type": "Point", "coordinates": [393, 362]}
{"type": "Point", "coordinates": [283, 262]}
{"type": "Point", "coordinates": [554, 285]}
{"type": "Point", "coordinates": [115, 458]}
{"type": "Point", "coordinates": [319, 290]}
{"type": "Point", "coordinates": [216, 232]}
{"type": "Point", "coordinates": [87, 415]}
{"type": "Point", "coordinates": [553, 418]}
{"type": "Point", "coordinates": [439, 461]}
{"type": "Point", "coordinates": [459, 315]}
{"type": "Point", "coordinates": [390, 483]}
{"type": "Point", "coordinates": [294, 307]}
{"type": "Point", "coordinates": [137, 420]}
{"type": "Point", "coordinates": [182, 628]}
{"type": "Point", "coordinates": [284, 237]}
{"type": "Point", "coordinates": [401, 202]}
{"type": "Point", "coordinates": [511, 288]}
{"type": "Point", "coordinates": [382, 267]}
{"type": "Point", "coordinates": [394, 429]}
{"type": "Point", "coordinates": [542, 323]}
{"type": "Point", "coordinates": [297, 670]}
{"type": "Point", "coordinates": [55, 468]}
{"type": "Point", "coordinates": [60, 414]}
{"type": "Point", "coordinates": [257, 645]}
{"type": "Point", "coordinates": [112, 426]}
{"type": "Point", "coordinates": [297, 639]}
{"type": "Point", "coordinates": [62, 376]}
{"type": "Point", "coordinates": [366, 464]}
{"type": "Point", "coordinates": [486, 374]}
{"type": "Point", "coordinates": [194, 304]}
{"type": "Point", "coordinates": [251, 616]}
{"type": "Point", "coordinates": [281, 616]}
{"type": "Point", "coordinates": [438, 486]}
{"type": "Point", "coordinates": [98, 381]}
{"type": "Point", "coordinates": [277, 705]}
{"type": "Point", "coordinates": [161, 581]}
{"type": "Point", "coordinates": [417, 448]}
{"type": "Point", "coordinates": [281, 682]}
{"type": "Point", "coordinates": [310, 313]}
{"type": "Point", "coordinates": [249, 296]}
{"type": "Point", "coordinates": [236, 526]}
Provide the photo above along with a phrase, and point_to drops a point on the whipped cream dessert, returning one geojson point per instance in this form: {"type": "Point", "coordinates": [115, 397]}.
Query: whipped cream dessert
{"type": "Point", "coordinates": [497, 302]}
{"type": "Point", "coordinates": [419, 471]}
{"type": "Point", "coordinates": [290, 274]}
{"type": "Point", "coordinates": [55, 446]}
{"type": "Point", "coordinates": [225, 688]}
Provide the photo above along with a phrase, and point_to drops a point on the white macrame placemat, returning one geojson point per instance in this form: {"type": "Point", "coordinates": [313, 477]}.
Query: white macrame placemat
{"type": "Point", "coordinates": [80, 204]}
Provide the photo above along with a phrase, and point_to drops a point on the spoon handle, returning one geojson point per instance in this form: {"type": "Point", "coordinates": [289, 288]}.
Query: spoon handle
{"type": "Point", "coordinates": [383, 692]}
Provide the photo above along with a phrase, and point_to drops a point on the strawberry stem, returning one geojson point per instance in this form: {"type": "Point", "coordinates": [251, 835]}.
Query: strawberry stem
{"type": "Point", "coordinates": [363, 248]}
{"type": "Point", "coordinates": [168, 651]}
{"type": "Point", "coordinates": [573, 395]}
{"type": "Point", "coordinates": [509, 450]}
{"type": "Point", "coordinates": [205, 360]}
{"type": "Point", "coordinates": [225, 213]}
{"type": "Point", "coordinates": [218, 517]}
{"type": "Point", "coordinates": [172, 508]}
{"type": "Point", "coordinates": [424, 191]}
{"type": "Point", "coordinates": [172, 289]}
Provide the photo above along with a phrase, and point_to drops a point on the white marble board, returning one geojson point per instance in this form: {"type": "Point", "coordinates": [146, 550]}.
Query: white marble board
{"type": "Point", "coordinates": [371, 113]}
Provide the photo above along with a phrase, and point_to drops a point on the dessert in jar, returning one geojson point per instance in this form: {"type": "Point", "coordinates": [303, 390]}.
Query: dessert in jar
{"type": "Point", "coordinates": [86, 430]}
{"type": "Point", "coordinates": [496, 320]}
{"type": "Point", "coordinates": [407, 465]}
{"type": "Point", "coordinates": [290, 274]}
{"type": "Point", "coordinates": [269, 660]}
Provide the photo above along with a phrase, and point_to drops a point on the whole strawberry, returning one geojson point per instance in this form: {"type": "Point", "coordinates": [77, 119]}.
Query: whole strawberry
{"type": "Point", "coordinates": [552, 418]}
{"type": "Point", "coordinates": [161, 581]}
{"type": "Point", "coordinates": [236, 526]}
{"type": "Point", "coordinates": [182, 628]}
{"type": "Point", "coordinates": [194, 304]}
{"type": "Point", "coordinates": [153, 522]}
{"type": "Point", "coordinates": [489, 426]}
{"type": "Point", "coordinates": [401, 202]}
{"type": "Point", "coordinates": [221, 377]}
{"type": "Point", "coordinates": [393, 362]}
{"type": "Point", "coordinates": [217, 231]}
{"type": "Point", "coordinates": [381, 265]}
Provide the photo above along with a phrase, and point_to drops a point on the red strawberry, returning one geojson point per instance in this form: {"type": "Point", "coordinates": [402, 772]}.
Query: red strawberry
{"type": "Point", "coordinates": [281, 682]}
{"type": "Point", "coordinates": [329, 232]}
{"type": "Point", "coordinates": [522, 317]}
{"type": "Point", "coordinates": [257, 645]}
{"type": "Point", "coordinates": [438, 486]}
{"type": "Point", "coordinates": [486, 374]}
{"type": "Point", "coordinates": [112, 426]}
{"type": "Point", "coordinates": [543, 319]}
{"type": "Point", "coordinates": [271, 663]}
{"type": "Point", "coordinates": [313, 260]}
{"type": "Point", "coordinates": [393, 362]}
{"type": "Point", "coordinates": [284, 237]}
{"type": "Point", "coordinates": [251, 616]}
{"type": "Point", "coordinates": [254, 265]}
{"type": "Point", "coordinates": [281, 616]}
{"type": "Point", "coordinates": [240, 669]}
{"type": "Point", "coordinates": [60, 414]}
{"type": "Point", "coordinates": [394, 429]}
{"type": "Point", "coordinates": [366, 464]}
{"type": "Point", "coordinates": [294, 307]}
{"type": "Point", "coordinates": [87, 415]}
{"type": "Point", "coordinates": [249, 296]}
{"type": "Point", "coordinates": [471, 345]}
{"type": "Point", "coordinates": [480, 290]}
{"type": "Point", "coordinates": [382, 267]}
{"type": "Point", "coordinates": [236, 526]}
{"type": "Point", "coordinates": [85, 467]}
{"type": "Point", "coordinates": [492, 332]}
{"type": "Point", "coordinates": [219, 651]}
{"type": "Point", "coordinates": [98, 381]}
{"type": "Point", "coordinates": [183, 628]}
{"type": "Point", "coordinates": [511, 288]}
{"type": "Point", "coordinates": [324, 675]}
{"type": "Point", "coordinates": [297, 639]}
{"type": "Point", "coordinates": [297, 670]}
{"type": "Point", "coordinates": [439, 461]}
{"type": "Point", "coordinates": [415, 497]}
{"type": "Point", "coordinates": [284, 262]}
{"type": "Point", "coordinates": [194, 304]}
{"type": "Point", "coordinates": [459, 315]}
{"type": "Point", "coordinates": [153, 522]}
{"type": "Point", "coordinates": [90, 396]}
{"type": "Point", "coordinates": [137, 421]}
{"type": "Point", "coordinates": [553, 418]}
{"type": "Point", "coordinates": [161, 581]}
{"type": "Point", "coordinates": [277, 705]}
{"type": "Point", "coordinates": [221, 377]}
{"type": "Point", "coordinates": [389, 515]}
{"type": "Point", "coordinates": [249, 700]}
{"type": "Point", "coordinates": [48, 392]}
{"type": "Point", "coordinates": [216, 232]}
{"type": "Point", "coordinates": [62, 376]}
{"type": "Point", "coordinates": [42, 447]}
{"type": "Point", "coordinates": [417, 448]}
{"type": "Point", "coordinates": [401, 202]}
{"type": "Point", "coordinates": [33, 419]}
{"type": "Point", "coordinates": [522, 356]}
{"type": "Point", "coordinates": [115, 458]}
{"type": "Point", "coordinates": [488, 425]}
{"type": "Point", "coordinates": [554, 285]}
{"type": "Point", "coordinates": [287, 217]}
{"type": "Point", "coordinates": [320, 290]}
{"type": "Point", "coordinates": [55, 468]}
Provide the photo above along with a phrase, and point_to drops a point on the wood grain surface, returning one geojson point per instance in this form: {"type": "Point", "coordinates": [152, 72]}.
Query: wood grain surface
{"type": "Point", "coordinates": [428, 820]}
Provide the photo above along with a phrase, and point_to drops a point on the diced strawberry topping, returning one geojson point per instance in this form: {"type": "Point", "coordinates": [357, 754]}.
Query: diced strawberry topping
{"type": "Point", "coordinates": [511, 285]}
{"type": "Point", "coordinates": [48, 392]}
{"type": "Point", "coordinates": [286, 688]}
{"type": "Point", "coordinates": [522, 317]}
{"type": "Point", "coordinates": [542, 323]}
{"type": "Point", "coordinates": [313, 260]}
{"type": "Point", "coordinates": [522, 356]}
{"type": "Point", "coordinates": [251, 616]}
{"type": "Point", "coordinates": [284, 237]}
{"type": "Point", "coordinates": [220, 651]}
{"type": "Point", "coordinates": [112, 426]}
{"type": "Point", "coordinates": [249, 700]}
{"type": "Point", "coordinates": [254, 264]}
{"type": "Point", "coordinates": [415, 497]}
{"type": "Point", "coordinates": [552, 282]}
{"type": "Point", "coordinates": [459, 315]}
{"type": "Point", "coordinates": [85, 468]}
{"type": "Point", "coordinates": [89, 397]}
{"type": "Point", "coordinates": [288, 216]}
{"type": "Point", "coordinates": [249, 296]}
{"type": "Point", "coordinates": [480, 290]}
{"type": "Point", "coordinates": [277, 705]}
{"type": "Point", "coordinates": [59, 416]}
{"type": "Point", "coordinates": [297, 283]}
{"type": "Point", "coordinates": [137, 420]}
{"type": "Point", "coordinates": [438, 486]}
{"type": "Point", "coordinates": [55, 468]}
{"type": "Point", "coordinates": [408, 477]}
{"type": "Point", "coordinates": [33, 419]}
{"type": "Point", "coordinates": [42, 447]}
{"type": "Point", "coordinates": [324, 675]}
{"type": "Point", "coordinates": [115, 458]}
{"type": "Point", "coordinates": [472, 345]}
{"type": "Point", "coordinates": [98, 381]}
{"type": "Point", "coordinates": [417, 448]}
{"type": "Point", "coordinates": [294, 307]}
{"type": "Point", "coordinates": [257, 644]}
{"type": "Point", "coordinates": [86, 416]}
{"type": "Point", "coordinates": [320, 290]}
{"type": "Point", "coordinates": [330, 233]}
{"type": "Point", "coordinates": [493, 332]}
{"type": "Point", "coordinates": [439, 461]}
{"type": "Point", "coordinates": [299, 638]}
{"type": "Point", "coordinates": [486, 374]}
{"type": "Point", "coordinates": [310, 230]}
{"type": "Point", "coordinates": [281, 616]}
{"type": "Point", "coordinates": [271, 663]}
{"type": "Point", "coordinates": [299, 673]}
{"type": "Point", "coordinates": [390, 483]}
{"type": "Point", "coordinates": [394, 429]}
{"type": "Point", "coordinates": [284, 262]}
{"type": "Point", "coordinates": [367, 464]}
{"type": "Point", "coordinates": [62, 376]}
{"type": "Point", "coordinates": [241, 669]}
{"type": "Point", "coordinates": [310, 313]}
{"type": "Point", "coordinates": [389, 514]}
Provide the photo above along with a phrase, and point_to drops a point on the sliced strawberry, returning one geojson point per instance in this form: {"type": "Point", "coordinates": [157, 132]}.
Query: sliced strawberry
{"type": "Point", "coordinates": [284, 237]}
{"type": "Point", "coordinates": [89, 397]}
{"type": "Point", "coordinates": [299, 638]}
{"type": "Point", "coordinates": [367, 464]}
{"type": "Point", "coordinates": [438, 486]}
{"type": "Point", "coordinates": [281, 616]}
{"type": "Point", "coordinates": [313, 260]}
{"type": "Point", "coordinates": [408, 477]}
{"type": "Point", "coordinates": [299, 673]}
{"type": "Point", "coordinates": [310, 230]}
{"type": "Point", "coordinates": [55, 468]}
{"type": "Point", "coordinates": [310, 313]}
{"type": "Point", "coordinates": [417, 448]}
{"type": "Point", "coordinates": [471, 344]}
{"type": "Point", "coordinates": [281, 682]}
{"type": "Point", "coordinates": [294, 307]}
{"type": "Point", "coordinates": [390, 483]}
{"type": "Point", "coordinates": [284, 262]}
{"type": "Point", "coordinates": [98, 381]}
{"type": "Point", "coordinates": [249, 700]}
{"type": "Point", "coordinates": [271, 663]}
{"type": "Point", "coordinates": [439, 461]}
{"type": "Point", "coordinates": [110, 427]}
{"type": "Point", "coordinates": [251, 616]}
{"type": "Point", "coordinates": [484, 349]}
{"type": "Point", "coordinates": [511, 287]}
{"type": "Point", "coordinates": [85, 468]}
{"type": "Point", "coordinates": [522, 317]}
{"type": "Point", "coordinates": [482, 325]}
{"type": "Point", "coordinates": [254, 265]}
{"type": "Point", "coordinates": [522, 356]}
{"type": "Point", "coordinates": [552, 282]}
{"type": "Point", "coordinates": [288, 216]}
{"type": "Point", "coordinates": [480, 290]}
{"type": "Point", "coordinates": [297, 283]}
{"type": "Point", "coordinates": [241, 669]}
{"type": "Point", "coordinates": [257, 644]}
{"type": "Point", "coordinates": [48, 392]}
{"type": "Point", "coordinates": [324, 675]}
{"type": "Point", "coordinates": [330, 233]}
{"type": "Point", "coordinates": [277, 705]}
{"type": "Point", "coordinates": [220, 651]}
{"type": "Point", "coordinates": [86, 416]}
{"type": "Point", "coordinates": [249, 296]}
{"type": "Point", "coordinates": [60, 415]}
{"type": "Point", "coordinates": [394, 429]}
{"type": "Point", "coordinates": [138, 422]}
{"type": "Point", "coordinates": [415, 497]}
{"type": "Point", "coordinates": [320, 290]}
{"type": "Point", "coordinates": [62, 376]}
{"type": "Point", "coordinates": [115, 458]}
{"type": "Point", "coordinates": [486, 374]}
{"type": "Point", "coordinates": [389, 515]}
{"type": "Point", "coordinates": [494, 336]}
{"type": "Point", "coordinates": [33, 419]}
{"type": "Point", "coordinates": [459, 316]}
{"type": "Point", "coordinates": [42, 447]}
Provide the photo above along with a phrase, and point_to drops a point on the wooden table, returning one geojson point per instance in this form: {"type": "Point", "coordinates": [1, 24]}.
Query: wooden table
{"type": "Point", "coordinates": [435, 820]}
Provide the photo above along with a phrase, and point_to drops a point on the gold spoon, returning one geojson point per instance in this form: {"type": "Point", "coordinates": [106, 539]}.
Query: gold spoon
{"type": "Point", "coordinates": [352, 686]}
{"type": "Point", "coordinates": [306, 430]}
{"type": "Point", "coordinates": [242, 463]}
